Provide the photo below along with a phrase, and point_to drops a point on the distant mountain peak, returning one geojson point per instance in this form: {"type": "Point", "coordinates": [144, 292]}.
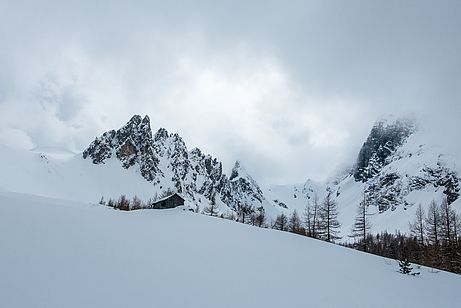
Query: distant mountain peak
{"type": "Point", "coordinates": [128, 142]}
{"type": "Point", "coordinates": [161, 134]}
{"type": "Point", "coordinates": [135, 119]}
{"type": "Point", "coordinates": [385, 137]}
{"type": "Point", "coordinates": [163, 160]}
{"type": "Point", "coordinates": [238, 171]}
{"type": "Point", "coordinates": [196, 152]}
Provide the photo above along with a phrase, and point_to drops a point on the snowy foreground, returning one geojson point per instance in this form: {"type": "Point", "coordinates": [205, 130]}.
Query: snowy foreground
{"type": "Point", "coordinates": [57, 253]}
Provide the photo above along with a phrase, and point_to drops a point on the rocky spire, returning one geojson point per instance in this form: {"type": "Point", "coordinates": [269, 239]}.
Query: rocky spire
{"type": "Point", "coordinates": [241, 187]}
{"type": "Point", "coordinates": [162, 158]}
{"type": "Point", "coordinates": [161, 134]}
{"type": "Point", "coordinates": [385, 137]}
{"type": "Point", "coordinates": [131, 143]}
{"type": "Point", "coordinates": [238, 171]}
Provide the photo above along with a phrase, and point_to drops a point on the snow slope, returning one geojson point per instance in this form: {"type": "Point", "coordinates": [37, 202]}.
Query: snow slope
{"type": "Point", "coordinates": [57, 253]}
{"type": "Point", "coordinates": [417, 172]}
{"type": "Point", "coordinates": [398, 183]}
{"type": "Point", "coordinates": [60, 174]}
{"type": "Point", "coordinates": [163, 160]}
{"type": "Point", "coordinates": [399, 180]}
{"type": "Point", "coordinates": [132, 161]}
{"type": "Point", "coordinates": [68, 177]}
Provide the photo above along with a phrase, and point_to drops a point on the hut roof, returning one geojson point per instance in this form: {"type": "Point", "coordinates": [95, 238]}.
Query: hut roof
{"type": "Point", "coordinates": [168, 197]}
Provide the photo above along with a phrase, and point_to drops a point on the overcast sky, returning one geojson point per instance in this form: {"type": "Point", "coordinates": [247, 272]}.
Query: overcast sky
{"type": "Point", "coordinates": [291, 88]}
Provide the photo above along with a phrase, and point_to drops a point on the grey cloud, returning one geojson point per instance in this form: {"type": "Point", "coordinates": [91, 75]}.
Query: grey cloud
{"type": "Point", "coordinates": [289, 88]}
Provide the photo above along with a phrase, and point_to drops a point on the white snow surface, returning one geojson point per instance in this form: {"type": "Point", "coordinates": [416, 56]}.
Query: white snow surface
{"type": "Point", "coordinates": [69, 177]}
{"type": "Point", "coordinates": [57, 253]}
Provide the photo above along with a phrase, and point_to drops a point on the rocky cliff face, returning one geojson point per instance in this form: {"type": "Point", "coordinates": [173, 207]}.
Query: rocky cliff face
{"type": "Point", "coordinates": [383, 141]}
{"type": "Point", "coordinates": [163, 159]}
{"type": "Point", "coordinates": [241, 188]}
{"type": "Point", "coordinates": [397, 167]}
{"type": "Point", "coordinates": [132, 144]}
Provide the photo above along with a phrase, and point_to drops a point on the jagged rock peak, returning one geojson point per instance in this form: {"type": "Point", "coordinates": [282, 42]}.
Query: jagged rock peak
{"type": "Point", "coordinates": [197, 155]}
{"type": "Point", "coordinates": [196, 152]}
{"type": "Point", "coordinates": [163, 160]}
{"type": "Point", "coordinates": [384, 138]}
{"type": "Point", "coordinates": [161, 134]}
{"type": "Point", "coordinates": [128, 142]}
{"type": "Point", "coordinates": [238, 171]}
{"type": "Point", "coordinates": [241, 187]}
{"type": "Point", "coordinates": [136, 119]}
{"type": "Point", "coordinates": [137, 126]}
{"type": "Point", "coordinates": [240, 175]}
{"type": "Point", "coordinates": [146, 119]}
{"type": "Point", "coordinates": [206, 164]}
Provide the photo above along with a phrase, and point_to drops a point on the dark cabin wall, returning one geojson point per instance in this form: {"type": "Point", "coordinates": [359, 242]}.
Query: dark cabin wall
{"type": "Point", "coordinates": [171, 202]}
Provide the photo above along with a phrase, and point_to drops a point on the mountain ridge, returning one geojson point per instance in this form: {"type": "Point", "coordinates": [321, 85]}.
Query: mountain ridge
{"type": "Point", "coordinates": [133, 160]}
{"type": "Point", "coordinates": [163, 160]}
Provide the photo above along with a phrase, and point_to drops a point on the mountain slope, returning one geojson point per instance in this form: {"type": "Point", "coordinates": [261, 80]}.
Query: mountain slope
{"type": "Point", "coordinates": [132, 161]}
{"type": "Point", "coordinates": [70, 177]}
{"type": "Point", "coordinates": [57, 253]}
{"type": "Point", "coordinates": [397, 168]}
{"type": "Point", "coordinates": [163, 160]}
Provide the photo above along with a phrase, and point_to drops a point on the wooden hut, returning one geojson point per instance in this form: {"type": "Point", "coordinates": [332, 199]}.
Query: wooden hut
{"type": "Point", "coordinates": [169, 202]}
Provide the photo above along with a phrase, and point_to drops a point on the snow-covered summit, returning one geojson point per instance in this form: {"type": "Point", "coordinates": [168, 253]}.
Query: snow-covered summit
{"type": "Point", "coordinates": [385, 137]}
{"type": "Point", "coordinates": [241, 188]}
{"type": "Point", "coordinates": [131, 160]}
{"type": "Point", "coordinates": [163, 159]}
{"type": "Point", "coordinates": [398, 167]}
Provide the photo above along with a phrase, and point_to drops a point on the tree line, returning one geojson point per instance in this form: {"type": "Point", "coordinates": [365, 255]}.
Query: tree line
{"type": "Point", "coordinates": [434, 239]}
{"type": "Point", "coordinates": [124, 203]}
{"type": "Point", "coordinates": [319, 220]}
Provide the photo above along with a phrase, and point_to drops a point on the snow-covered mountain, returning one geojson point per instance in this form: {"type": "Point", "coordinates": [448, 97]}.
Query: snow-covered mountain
{"type": "Point", "coordinates": [163, 160]}
{"type": "Point", "coordinates": [398, 167]}
{"type": "Point", "coordinates": [132, 161]}
{"type": "Point", "coordinates": [60, 252]}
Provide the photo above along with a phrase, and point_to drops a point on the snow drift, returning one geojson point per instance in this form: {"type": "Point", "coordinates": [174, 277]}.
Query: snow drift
{"type": "Point", "coordinates": [57, 253]}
